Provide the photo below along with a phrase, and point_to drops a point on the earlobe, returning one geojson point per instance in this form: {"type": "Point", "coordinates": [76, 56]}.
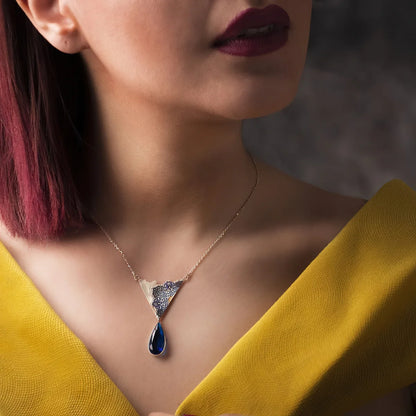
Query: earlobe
{"type": "Point", "coordinates": [55, 22]}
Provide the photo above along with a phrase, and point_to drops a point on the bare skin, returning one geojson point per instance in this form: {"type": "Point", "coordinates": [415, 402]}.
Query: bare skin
{"type": "Point", "coordinates": [167, 169]}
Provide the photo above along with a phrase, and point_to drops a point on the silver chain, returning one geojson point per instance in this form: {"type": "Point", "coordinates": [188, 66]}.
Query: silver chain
{"type": "Point", "coordinates": [189, 274]}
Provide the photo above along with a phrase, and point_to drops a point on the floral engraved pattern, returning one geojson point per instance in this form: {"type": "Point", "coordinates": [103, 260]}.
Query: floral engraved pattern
{"type": "Point", "coordinates": [163, 295]}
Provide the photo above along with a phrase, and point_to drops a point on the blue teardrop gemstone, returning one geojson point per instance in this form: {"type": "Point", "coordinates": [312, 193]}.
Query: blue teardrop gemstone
{"type": "Point", "coordinates": [157, 341]}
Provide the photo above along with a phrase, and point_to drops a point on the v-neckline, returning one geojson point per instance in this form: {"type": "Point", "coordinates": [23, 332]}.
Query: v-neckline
{"type": "Point", "coordinates": [290, 291]}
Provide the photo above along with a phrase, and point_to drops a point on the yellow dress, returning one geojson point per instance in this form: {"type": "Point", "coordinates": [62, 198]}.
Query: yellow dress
{"type": "Point", "coordinates": [341, 335]}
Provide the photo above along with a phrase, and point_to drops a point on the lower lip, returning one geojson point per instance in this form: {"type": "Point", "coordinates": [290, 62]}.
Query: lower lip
{"type": "Point", "coordinates": [256, 45]}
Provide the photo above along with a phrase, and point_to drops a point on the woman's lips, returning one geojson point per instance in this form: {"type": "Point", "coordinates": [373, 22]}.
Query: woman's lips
{"type": "Point", "coordinates": [254, 18]}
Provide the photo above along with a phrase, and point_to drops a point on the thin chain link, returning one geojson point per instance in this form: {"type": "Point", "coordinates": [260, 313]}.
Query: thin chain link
{"type": "Point", "coordinates": [189, 274]}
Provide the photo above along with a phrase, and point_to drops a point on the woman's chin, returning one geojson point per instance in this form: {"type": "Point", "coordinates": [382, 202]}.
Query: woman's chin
{"type": "Point", "coordinates": [261, 108]}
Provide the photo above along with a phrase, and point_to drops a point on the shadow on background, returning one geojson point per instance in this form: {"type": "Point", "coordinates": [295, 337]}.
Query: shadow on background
{"type": "Point", "coordinates": [352, 126]}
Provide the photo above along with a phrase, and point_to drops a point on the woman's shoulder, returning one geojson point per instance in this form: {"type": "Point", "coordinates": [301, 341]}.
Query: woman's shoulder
{"type": "Point", "coordinates": [296, 201]}
{"type": "Point", "coordinates": [10, 245]}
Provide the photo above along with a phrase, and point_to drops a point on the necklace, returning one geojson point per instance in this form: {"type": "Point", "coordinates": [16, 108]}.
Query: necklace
{"type": "Point", "coordinates": [159, 295]}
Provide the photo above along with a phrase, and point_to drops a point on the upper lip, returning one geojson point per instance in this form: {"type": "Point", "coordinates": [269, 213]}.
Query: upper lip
{"type": "Point", "coordinates": [254, 18]}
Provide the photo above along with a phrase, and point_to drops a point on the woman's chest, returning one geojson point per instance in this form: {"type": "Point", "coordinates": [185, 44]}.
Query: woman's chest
{"type": "Point", "coordinates": [98, 299]}
{"type": "Point", "coordinates": [109, 313]}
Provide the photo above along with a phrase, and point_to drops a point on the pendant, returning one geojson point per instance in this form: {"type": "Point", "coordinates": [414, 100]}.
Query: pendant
{"type": "Point", "coordinates": [157, 341]}
{"type": "Point", "coordinates": [159, 298]}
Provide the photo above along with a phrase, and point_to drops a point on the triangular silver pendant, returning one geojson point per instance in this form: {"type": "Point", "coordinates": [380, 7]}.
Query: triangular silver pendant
{"type": "Point", "coordinates": [158, 295]}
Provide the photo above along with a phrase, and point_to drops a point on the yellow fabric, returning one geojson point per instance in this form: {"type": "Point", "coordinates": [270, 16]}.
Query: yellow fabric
{"type": "Point", "coordinates": [343, 334]}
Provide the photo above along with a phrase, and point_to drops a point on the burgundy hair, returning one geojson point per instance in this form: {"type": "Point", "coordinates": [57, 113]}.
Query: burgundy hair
{"type": "Point", "coordinates": [42, 103]}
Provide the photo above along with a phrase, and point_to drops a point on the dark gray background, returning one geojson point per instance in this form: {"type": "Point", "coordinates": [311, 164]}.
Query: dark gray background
{"type": "Point", "coordinates": [352, 126]}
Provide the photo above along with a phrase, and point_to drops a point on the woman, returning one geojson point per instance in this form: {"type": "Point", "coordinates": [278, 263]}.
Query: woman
{"type": "Point", "coordinates": [122, 157]}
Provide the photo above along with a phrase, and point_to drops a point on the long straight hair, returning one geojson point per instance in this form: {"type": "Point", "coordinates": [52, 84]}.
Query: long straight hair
{"type": "Point", "coordinates": [42, 106]}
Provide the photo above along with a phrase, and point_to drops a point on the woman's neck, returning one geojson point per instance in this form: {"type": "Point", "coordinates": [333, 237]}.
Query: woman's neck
{"type": "Point", "coordinates": [150, 168]}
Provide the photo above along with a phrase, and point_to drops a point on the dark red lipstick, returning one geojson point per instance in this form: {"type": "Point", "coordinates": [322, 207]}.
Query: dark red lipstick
{"type": "Point", "coordinates": [255, 32]}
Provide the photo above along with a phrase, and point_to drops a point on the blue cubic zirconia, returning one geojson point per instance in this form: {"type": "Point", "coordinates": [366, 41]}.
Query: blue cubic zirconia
{"type": "Point", "coordinates": [157, 341]}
